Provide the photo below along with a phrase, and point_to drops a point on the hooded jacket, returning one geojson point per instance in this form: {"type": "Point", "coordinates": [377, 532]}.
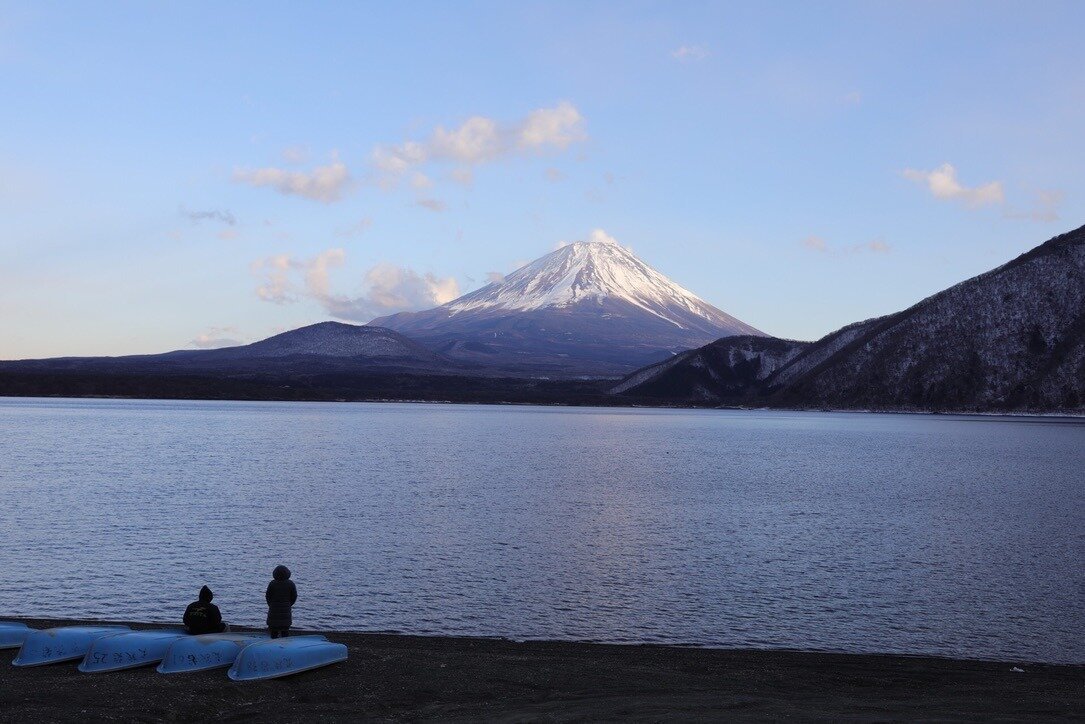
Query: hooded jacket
{"type": "Point", "coordinates": [202, 616]}
{"type": "Point", "coordinates": [281, 595]}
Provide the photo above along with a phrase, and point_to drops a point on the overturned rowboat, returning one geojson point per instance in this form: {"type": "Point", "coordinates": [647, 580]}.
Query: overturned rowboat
{"type": "Point", "coordinates": [206, 651]}
{"type": "Point", "coordinates": [66, 643]}
{"type": "Point", "coordinates": [128, 650]}
{"type": "Point", "coordinates": [283, 657]}
{"type": "Point", "coordinates": [12, 634]}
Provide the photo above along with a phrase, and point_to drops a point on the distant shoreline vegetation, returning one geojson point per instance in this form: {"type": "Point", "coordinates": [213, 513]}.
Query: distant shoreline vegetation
{"type": "Point", "coordinates": [581, 402]}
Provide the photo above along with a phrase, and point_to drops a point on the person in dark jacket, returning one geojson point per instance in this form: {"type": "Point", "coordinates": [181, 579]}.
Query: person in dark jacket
{"type": "Point", "coordinates": [281, 595]}
{"type": "Point", "coordinates": [204, 617]}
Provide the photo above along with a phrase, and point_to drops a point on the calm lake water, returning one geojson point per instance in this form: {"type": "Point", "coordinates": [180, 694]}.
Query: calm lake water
{"type": "Point", "coordinates": [961, 536]}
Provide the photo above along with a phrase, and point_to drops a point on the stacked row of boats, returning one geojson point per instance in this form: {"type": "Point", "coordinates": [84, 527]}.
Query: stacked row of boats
{"type": "Point", "coordinates": [249, 656]}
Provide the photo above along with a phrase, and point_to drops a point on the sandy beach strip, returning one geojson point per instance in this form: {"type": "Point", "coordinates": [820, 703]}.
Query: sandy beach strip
{"type": "Point", "coordinates": [398, 677]}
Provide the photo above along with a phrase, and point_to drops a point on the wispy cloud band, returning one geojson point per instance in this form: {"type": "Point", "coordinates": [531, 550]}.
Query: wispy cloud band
{"type": "Point", "coordinates": [387, 288]}
{"type": "Point", "coordinates": [943, 184]}
{"type": "Point", "coordinates": [480, 139]}
{"type": "Point", "coordinates": [324, 183]}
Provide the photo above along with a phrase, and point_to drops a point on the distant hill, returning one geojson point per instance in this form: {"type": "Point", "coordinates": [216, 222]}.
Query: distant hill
{"type": "Point", "coordinates": [326, 361]}
{"type": "Point", "coordinates": [325, 346]}
{"type": "Point", "coordinates": [588, 308]}
{"type": "Point", "coordinates": [1012, 339]}
{"type": "Point", "coordinates": [329, 339]}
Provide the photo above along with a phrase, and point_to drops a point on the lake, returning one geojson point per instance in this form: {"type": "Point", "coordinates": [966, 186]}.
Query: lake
{"type": "Point", "coordinates": [950, 535]}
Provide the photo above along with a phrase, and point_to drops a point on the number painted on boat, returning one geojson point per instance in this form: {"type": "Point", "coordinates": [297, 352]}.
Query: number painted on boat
{"type": "Point", "coordinates": [267, 666]}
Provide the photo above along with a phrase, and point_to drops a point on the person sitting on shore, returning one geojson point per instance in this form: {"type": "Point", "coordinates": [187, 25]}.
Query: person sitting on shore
{"type": "Point", "coordinates": [202, 616]}
{"type": "Point", "coordinates": [281, 596]}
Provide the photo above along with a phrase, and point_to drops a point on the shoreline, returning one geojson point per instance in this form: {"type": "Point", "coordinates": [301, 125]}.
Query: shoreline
{"type": "Point", "coordinates": [401, 676]}
{"type": "Point", "coordinates": [638, 405]}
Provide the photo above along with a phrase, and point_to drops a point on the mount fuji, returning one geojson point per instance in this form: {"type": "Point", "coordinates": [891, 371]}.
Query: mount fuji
{"type": "Point", "coordinates": [590, 307]}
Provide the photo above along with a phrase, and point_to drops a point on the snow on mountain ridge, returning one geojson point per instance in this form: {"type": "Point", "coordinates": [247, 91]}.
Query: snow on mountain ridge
{"type": "Point", "coordinates": [590, 271]}
{"type": "Point", "coordinates": [586, 308]}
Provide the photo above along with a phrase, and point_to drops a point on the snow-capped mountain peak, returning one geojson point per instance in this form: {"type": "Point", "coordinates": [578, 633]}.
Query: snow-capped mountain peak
{"type": "Point", "coordinates": [595, 272]}
{"type": "Point", "coordinates": [590, 307]}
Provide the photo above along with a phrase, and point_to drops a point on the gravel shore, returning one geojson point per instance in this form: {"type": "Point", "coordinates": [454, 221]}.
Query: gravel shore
{"type": "Point", "coordinates": [393, 677]}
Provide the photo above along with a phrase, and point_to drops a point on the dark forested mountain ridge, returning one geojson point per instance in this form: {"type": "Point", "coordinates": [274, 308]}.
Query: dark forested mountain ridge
{"type": "Point", "coordinates": [725, 369]}
{"type": "Point", "coordinates": [1012, 339]}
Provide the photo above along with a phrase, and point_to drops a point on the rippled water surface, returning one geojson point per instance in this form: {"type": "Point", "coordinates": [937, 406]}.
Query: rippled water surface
{"type": "Point", "coordinates": [857, 532]}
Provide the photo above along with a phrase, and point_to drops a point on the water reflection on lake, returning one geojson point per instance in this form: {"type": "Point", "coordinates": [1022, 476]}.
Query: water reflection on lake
{"type": "Point", "coordinates": [961, 536]}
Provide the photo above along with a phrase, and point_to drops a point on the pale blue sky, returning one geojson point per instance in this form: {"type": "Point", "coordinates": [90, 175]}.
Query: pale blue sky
{"type": "Point", "coordinates": [162, 166]}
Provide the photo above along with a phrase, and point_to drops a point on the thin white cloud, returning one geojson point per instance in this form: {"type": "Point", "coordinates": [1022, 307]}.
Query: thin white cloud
{"type": "Point", "coordinates": [819, 245]}
{"type": "Point", "coordinates": [943, 184]}
{"type": "Point", "coordinates": [296, 154]}
{"type": "Point", "coordinates": [396, 160]}
{"type": "Point", "coordinates": [557, 127]}
{"type": "Point", "coordinates": [223, 216]}
{"type": "Point", "coordinates": [277, 286]}
{"type": "Point", "coordinates": [432, 204]}
{"type": "Point", "coordinates": [324, 183]}
{"type": "Point", "coordinates": [686, 53]}
{"type": "Point", "coordinates": [386, 288]}
{"type": "Point", "coordinates": [216, 337]}
{"type": "Point", "coordinates": [391, 288]}
{"type": "Point", "coordinates": [598, 236]}
{"type": "Point", "coordinates": [481, 140]}
{"type": "Point", "coordinates": [463, 176]}
{"type": "Point", "coordinates": [1045, 207]}
{"type": "Point", "coordinates": [877, 246]}
{"type": "Point", "coordinates": [494, 277]}
{"type": "Point", "coordinates": [357, 229]}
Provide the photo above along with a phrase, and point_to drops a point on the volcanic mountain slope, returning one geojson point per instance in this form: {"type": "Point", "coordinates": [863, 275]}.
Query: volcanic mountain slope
{"type": "Point", "coordinates": [331, 339]}
{"type": "Point", "coordinates": [589, 307]}
{"type": "Point", "coordinates": [1012, 339]}
{"type": "Point", "coordinates": [326, 346]}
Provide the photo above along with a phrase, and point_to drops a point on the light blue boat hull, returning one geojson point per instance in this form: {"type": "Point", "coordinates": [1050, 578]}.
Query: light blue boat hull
{"type": "Point", "coordinates": [13, 634]}
{"type": "Point", "coordinates": [66, 643]}
{"type": "Point", "coordinates": [207, 651]}
{"type": "Point", "coordinates": [284, 657]}
{"type": "Point", "coordinates": [128, 650]}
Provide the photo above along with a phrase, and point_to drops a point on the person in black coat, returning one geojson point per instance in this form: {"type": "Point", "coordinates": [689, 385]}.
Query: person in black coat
{"type": "Point", "coordinates": [281, 595]}
{"type": "Point", "coordinates": [202, 616]}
